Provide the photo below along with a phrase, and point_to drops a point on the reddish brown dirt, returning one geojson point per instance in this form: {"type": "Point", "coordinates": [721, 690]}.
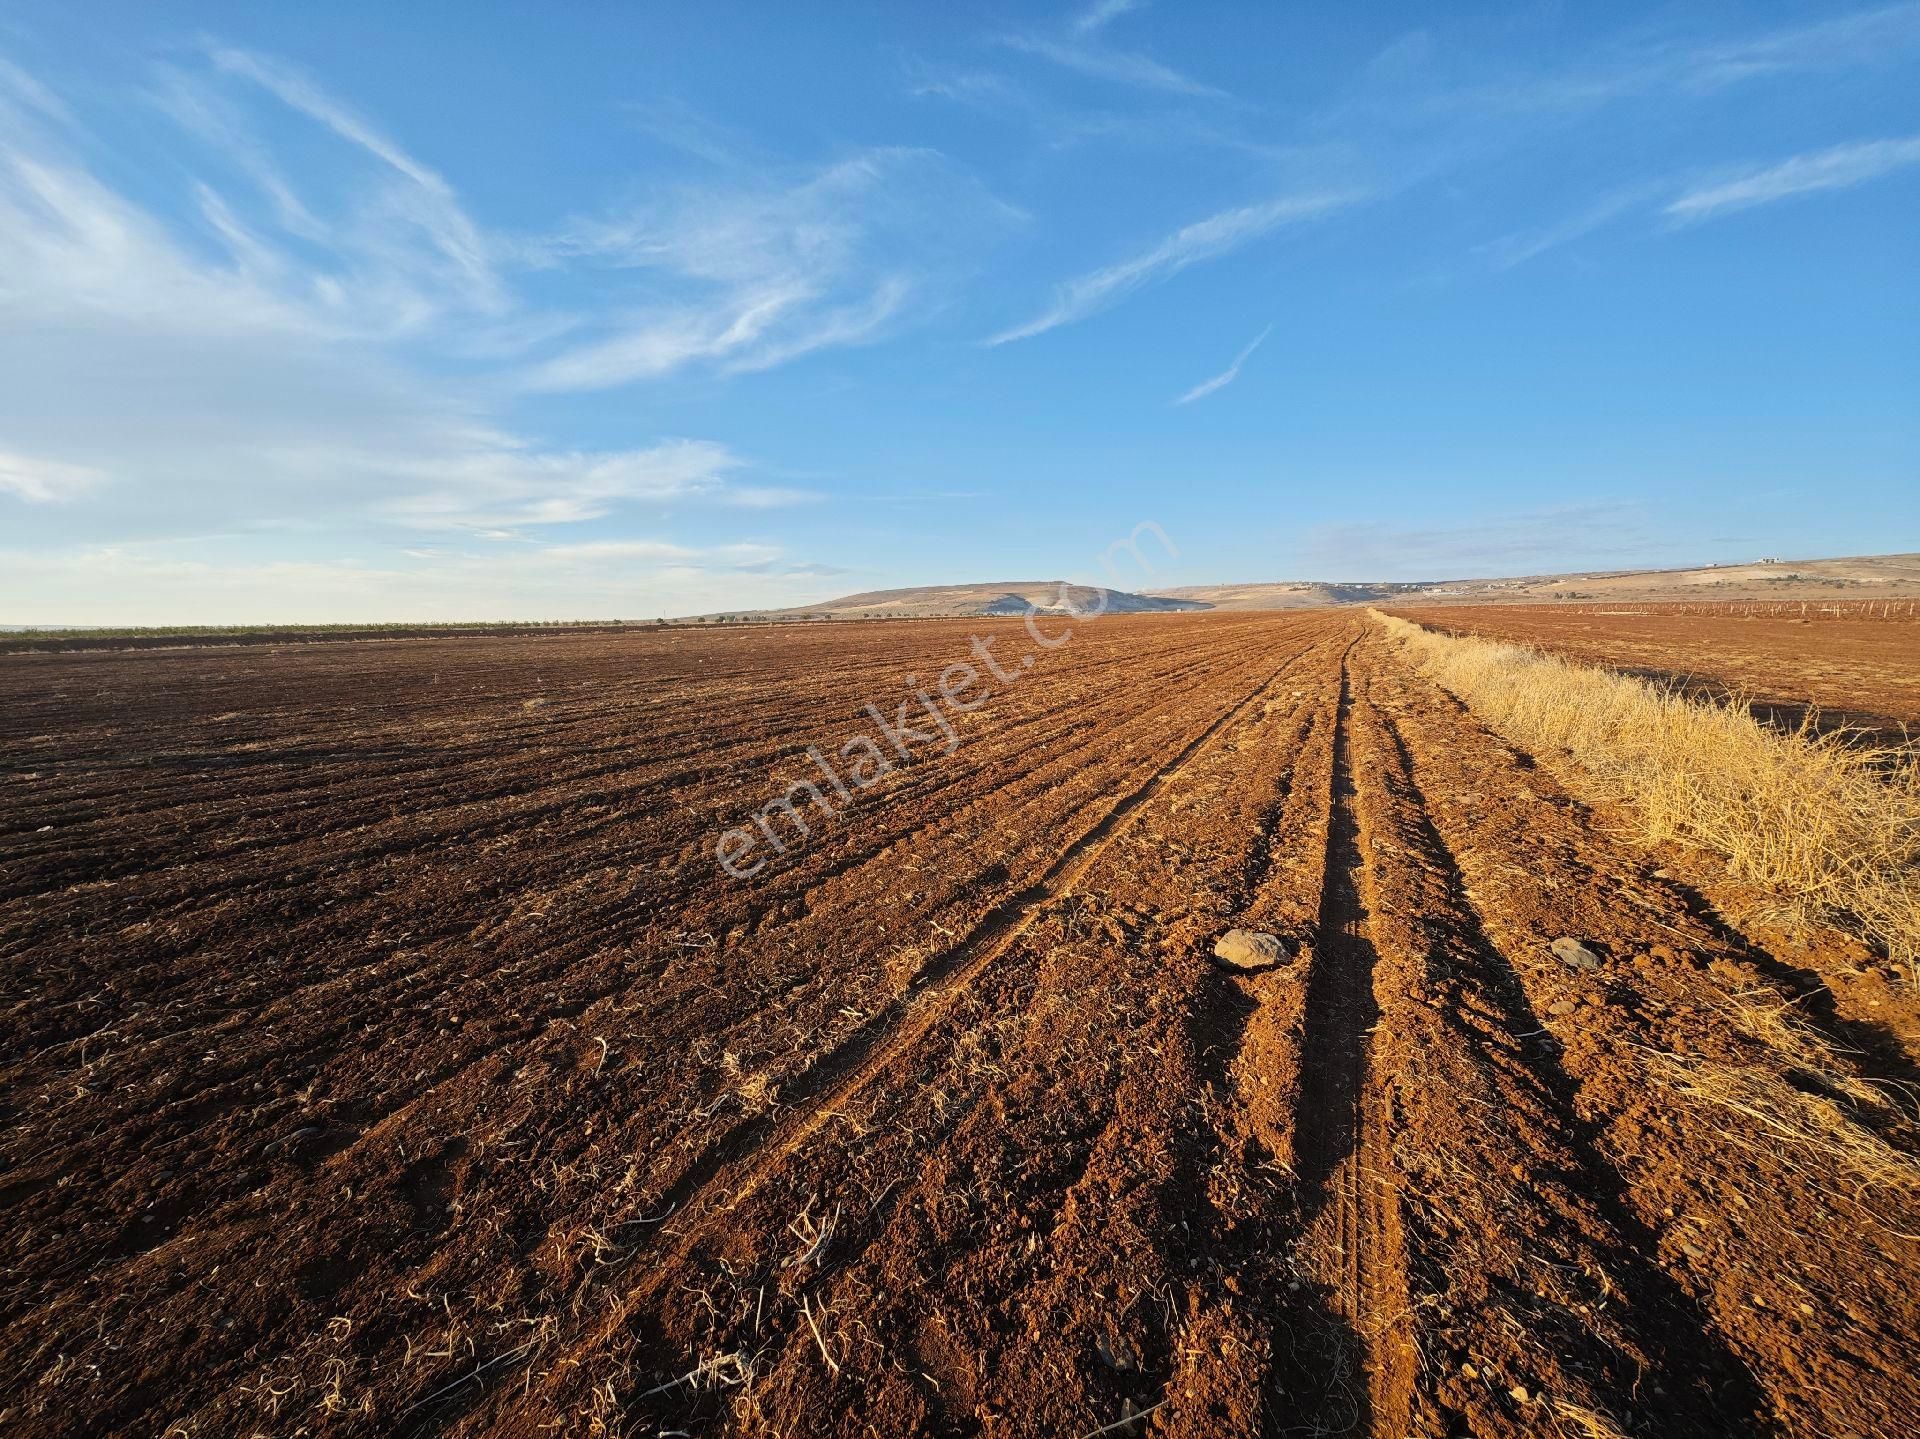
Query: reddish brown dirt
{"type": "Point", "coordinates": [1849, 669]}
{"type": "Point", "coordinates": [385, 1054]}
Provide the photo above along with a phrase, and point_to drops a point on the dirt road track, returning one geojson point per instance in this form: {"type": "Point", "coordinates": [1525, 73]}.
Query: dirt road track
{"type": "Point", "coordinates": [385, 1055]}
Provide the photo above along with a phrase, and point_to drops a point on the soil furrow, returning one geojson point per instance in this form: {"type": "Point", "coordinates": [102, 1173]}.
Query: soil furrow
{"type": "Point", "coordinates": [429, 1081]}
{"type": "Point", "coordinates": [560, 1029]}
{"type": "Point", "coordinates": [1533, 1236]}
{"type": "Point", "coordinates": [1342, 1145]}
{"type": "Point", "coordinates": [347, 1018]}
{"type": "Point", "coordinates": [1695, 1084]}
{"type": "Point", "coordinates": [756, 1153]}
{"type": "Point", "coordinates": [1087, 1094]}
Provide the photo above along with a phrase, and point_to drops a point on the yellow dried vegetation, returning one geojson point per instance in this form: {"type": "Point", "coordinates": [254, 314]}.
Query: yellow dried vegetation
{"type": "Point", "coordinates": [1826, 825]}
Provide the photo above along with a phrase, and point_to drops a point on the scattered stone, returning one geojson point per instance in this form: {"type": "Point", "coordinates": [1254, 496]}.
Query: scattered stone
{"type": "Point", "coordinates": [1573, 954]}
{"type": "Point", "coordinates": [1565, 1006]}
{"type": "Point", "coordinates": [1249, 949]}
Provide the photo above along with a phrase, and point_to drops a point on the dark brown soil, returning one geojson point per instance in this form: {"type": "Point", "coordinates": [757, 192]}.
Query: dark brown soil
{"type": "Point", "coordinates": [385, 1053]}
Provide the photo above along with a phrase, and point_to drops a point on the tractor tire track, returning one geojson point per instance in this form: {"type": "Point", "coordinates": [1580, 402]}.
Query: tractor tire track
{"type": "Point", "coordinates": [1515, 1222]}
{"type": "Point", "coordinates": [752, 1158]}
{"type": "Point", "coordinates": [1350, 1224]}
{"type": "Point", "coordinates": [1670, 1056]}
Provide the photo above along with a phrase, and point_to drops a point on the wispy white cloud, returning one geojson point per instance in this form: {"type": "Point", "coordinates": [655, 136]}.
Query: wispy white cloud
{"type": "Point", "coordinates": [44, 481]}
{"type": "Point", "coordinates": [767, 497]}
{"type": "Point", "coordinates": [734, 275]}
{"type": "Point", "coordinates": [1227, 376]}
{"type": "Point", "coordinates": [1838, 168]}
{"type": "Point", "coordinates": [427, 199]}
{"type": "Point", "coordinates": [69, 243]}
{"type": "Point", "coordinates": [678, 126]}
{"type": "Point", "coordinates": [1429, 106]}
{"type": "Point", "coordinates": [1062, 125]}
{"type": "Point", "coordinates": [745, 556]}
{"type": "Point", "coordinates": [205, 111]}
{"type": "Point", "coordinates": [506, 485]}
{"type": "Point", "coordinates": [778, 271]}
{"type": "Point", "coordinates": [215, 583]}
{"type": "Point", "coordinates": [1517, 248]}
{"type": "Point", "coordinates": [231, 362]}
{"type": "Point", "coordinates": [318, 354]}
{"type": "Point", "coordinates": [1203, 240]}
{"type": "Point", "coordinates": [1103, 13]}
{"type": "Point", "coordinates": [18, 89]}
{"type": "Point", "coordinates": [982, 89]}
{"type": "Point", "coordinates": [1121, 67]}
{"type": "Point", "coordinates": [1859, 37]}
{"type": "Point", "coordinates": [1421, 80]}
{"type": "Point", "coordinates": [394, 255]}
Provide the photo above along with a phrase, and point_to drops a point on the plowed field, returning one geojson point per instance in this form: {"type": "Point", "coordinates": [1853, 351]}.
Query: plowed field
{"type": "Point", "coordinates": [1849, 670]}
{"type": "Point", "coordinates": [387, 1053]}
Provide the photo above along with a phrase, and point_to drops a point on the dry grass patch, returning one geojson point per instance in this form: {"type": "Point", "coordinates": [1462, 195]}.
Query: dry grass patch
{"type": "Point", "coordinates": [1827, 826]}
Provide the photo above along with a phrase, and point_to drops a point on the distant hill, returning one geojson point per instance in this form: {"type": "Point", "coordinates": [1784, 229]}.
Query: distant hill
{"type": "Point", "coordinates": [1861, 577]}
{"type": "Point", "coordinates": [1289, 594]}
{"type": "Point", "coordinates": [1857, 577]}
{"type": "Point", "coordinates": [1005, 597]}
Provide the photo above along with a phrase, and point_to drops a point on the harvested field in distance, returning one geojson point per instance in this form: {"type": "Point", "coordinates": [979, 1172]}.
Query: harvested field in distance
{"type": "Point", "coordinates": [1855, 667]}
{"type": "Point", "coordinates": [1825, 827]}
{"type": "Point", "coordinates": [386, 1052]}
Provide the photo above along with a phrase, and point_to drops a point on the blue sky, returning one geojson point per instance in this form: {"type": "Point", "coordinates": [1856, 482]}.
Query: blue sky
{"type": "Point", "coordinates": [358, 312]}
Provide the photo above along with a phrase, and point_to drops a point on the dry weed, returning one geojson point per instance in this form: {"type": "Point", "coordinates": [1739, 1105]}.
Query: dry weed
{"type": "Point", "coordinates": [1783, 1117]}
{"type": "Point", "coordinates": [1828, 826]}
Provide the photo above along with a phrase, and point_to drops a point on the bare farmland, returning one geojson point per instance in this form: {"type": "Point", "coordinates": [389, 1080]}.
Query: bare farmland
{"type": "Point", "coordinates": [386, 1052]}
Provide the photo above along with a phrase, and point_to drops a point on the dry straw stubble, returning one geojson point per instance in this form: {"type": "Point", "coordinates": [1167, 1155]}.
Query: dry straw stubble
{"type": "Point", "coordinates": [1824, 824]}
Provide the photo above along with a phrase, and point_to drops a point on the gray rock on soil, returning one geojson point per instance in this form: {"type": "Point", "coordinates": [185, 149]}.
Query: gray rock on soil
{"type": "Point", "coordinates": [1573, 954]}
{"type": "Point", "coordinates": [1250, 949]}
